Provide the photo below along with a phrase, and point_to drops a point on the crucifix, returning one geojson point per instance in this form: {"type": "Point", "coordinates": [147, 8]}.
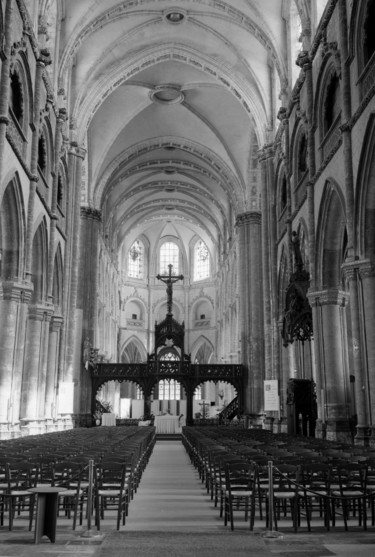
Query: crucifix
{"type": "Point", "coordinates": [169, 280]}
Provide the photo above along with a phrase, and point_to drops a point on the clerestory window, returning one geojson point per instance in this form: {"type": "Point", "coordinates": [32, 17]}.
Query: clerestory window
{"type": "Point", "coordinates": [169, 255]}
{"type": "Point", "coordinates": [201, 261]}
{"type": "Point", "coordinates": [136, 260]}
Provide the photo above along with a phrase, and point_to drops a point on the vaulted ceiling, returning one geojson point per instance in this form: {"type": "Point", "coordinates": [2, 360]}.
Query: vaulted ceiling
{"type": "Point", "coordinates": [172, 100]}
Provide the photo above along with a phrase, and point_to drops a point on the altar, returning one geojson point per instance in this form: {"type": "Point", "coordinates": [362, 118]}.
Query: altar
{"type": "Point", "coordinates": [167, 424]}
{"type": "Point", "coordinates": [109, 418]}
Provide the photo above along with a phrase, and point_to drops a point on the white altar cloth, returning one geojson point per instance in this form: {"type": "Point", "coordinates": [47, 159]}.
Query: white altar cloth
{"type": "Point", "coordinates": [167, 424]}
{"type": "Point", "coordinates": [109, 419]}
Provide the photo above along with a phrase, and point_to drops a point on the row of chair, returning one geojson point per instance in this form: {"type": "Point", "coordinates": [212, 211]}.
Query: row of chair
{"type": "Point", "coordinates": [91, 481]}
{"type": "Point", "coordinates": [301, 484]}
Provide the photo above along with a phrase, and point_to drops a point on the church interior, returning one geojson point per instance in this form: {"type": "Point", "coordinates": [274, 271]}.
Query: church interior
{"type": "Point", "coordinates": [187, 277]}
{"type": "Point", "coordinates": [205, 166]}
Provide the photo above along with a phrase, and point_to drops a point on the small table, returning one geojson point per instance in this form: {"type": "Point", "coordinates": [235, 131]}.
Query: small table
{"type": "Point", "coordinates": [167, 424]}
{"type": "Point", "coordinates": [46, 511]}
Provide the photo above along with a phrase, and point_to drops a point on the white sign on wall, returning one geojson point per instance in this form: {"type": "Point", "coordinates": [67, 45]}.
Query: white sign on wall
{"type": "Point", "coordinates": [271, 395]}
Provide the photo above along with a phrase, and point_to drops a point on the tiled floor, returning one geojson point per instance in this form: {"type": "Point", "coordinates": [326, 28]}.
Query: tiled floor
{"type": "Point", "coordinates": [171, 499]}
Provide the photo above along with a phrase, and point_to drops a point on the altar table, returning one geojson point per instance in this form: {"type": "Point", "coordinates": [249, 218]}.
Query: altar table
{"type": "Point", "coordinates": [167, 424]}
{"type": "Point", "coordinates": [109, 419]}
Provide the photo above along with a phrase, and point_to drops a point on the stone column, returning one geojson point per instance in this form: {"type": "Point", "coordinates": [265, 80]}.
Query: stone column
{"type": "Point", "coordinates": [50, 407]}
{"type": "Point", "coordinates": [33, 387]}
{"type": "Point", "coordinates": [71, 266]}
{"type": "Point", "coordinates": [367, 277]}
{"type": "Point", "coordinates": [334, 388]}
{"type": "Point", "coordinates": [361, 383]}
{"type": "Point", "coordinates": [88, 290]}
{"type": "Point", "coordinates": [13, 309]}
{"type": "Point", "coordinates": [251, 311]}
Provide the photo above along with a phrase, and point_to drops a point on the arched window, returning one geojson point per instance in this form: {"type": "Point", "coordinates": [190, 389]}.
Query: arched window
{"type": "Point", "coordinates": [169, 255]}
{"type": "Point", "coordinates": [332, 102]}
{"type": "Point", "coordinates": [60, 191]}
{"type": "Point", "coordinates": [368, 32]}
{"type": "Point", "coordinates": [16, 97]}
{"type": "Point", "coordinates": [302, 156]}
{"type": "Point", "coordinates": [42, 154]}
{"type": "Point", "coordinates": [283, 194]}
{"type": "Point", "coordinates": [201, 261]}
{"type": "Point", "coordinates": [136, 260]}
{"type": "Point", "coordinates": [169, 390]}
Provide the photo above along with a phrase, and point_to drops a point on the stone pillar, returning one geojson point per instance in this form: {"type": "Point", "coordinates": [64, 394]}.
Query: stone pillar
{"type": "Point", "coordinates": [333, 385]}
{"type": "Point", "coordinates": [50, 407]}
{"type": "Point", "coordinates": [33, 387]}
{"type": "Point", "coordinates": [88, 290]}
{"type": "Point", "coordinates": [361, 384]}
{"type": "Point", "coordinates": [71, 267]}
{"type": "Point", "coordinates": [13, 309]}
{"type": "Point", "coordinates": [367, 276]}
{"type": "Point", "coordinates": [251, 311]}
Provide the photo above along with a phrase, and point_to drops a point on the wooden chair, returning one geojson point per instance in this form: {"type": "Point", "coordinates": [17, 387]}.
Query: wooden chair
{"type": "Point", "coordinates": [240, 492]}
{"type": "Point", "coordinates": [112, 491]}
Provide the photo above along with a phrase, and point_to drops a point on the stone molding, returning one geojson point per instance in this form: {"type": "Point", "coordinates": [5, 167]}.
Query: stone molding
{"type": "Point", "coordinates": [41, 312]}
{"type": "Point", "coordinates": [56, 323]}
{"type": "Point", "coordinates": [17, 291]}
{"type": "Point", "coordinates": [251, 217]}
{"type": "Point", "coordinates": [329, 297]}
{"type": "Point", "coordinates": [365, 268]}
{"type": "Point", "coordinates": [91, 213]}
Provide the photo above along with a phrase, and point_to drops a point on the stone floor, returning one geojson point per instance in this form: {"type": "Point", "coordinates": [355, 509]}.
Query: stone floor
{"type": "Point", "coordinates": [171, 499]}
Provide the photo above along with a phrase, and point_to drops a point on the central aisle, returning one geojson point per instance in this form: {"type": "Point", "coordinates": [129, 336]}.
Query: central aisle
{"type": "Point", "coordinates": [171, 496]}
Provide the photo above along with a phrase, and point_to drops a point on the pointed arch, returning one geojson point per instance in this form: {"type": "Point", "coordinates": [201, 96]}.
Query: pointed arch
{"type": "Point", "coordinates": [331, 237]}
{"type": "Point", "coordinates": [57, 287]}
{"type": "Point", "coordinates": [133, 351]}
{"type": "Point", "coordinates": [12, 231]}
{"type": "Point", "coordinates": [39, 263]}
{"type": "Point", "coordinates": [202, 350]}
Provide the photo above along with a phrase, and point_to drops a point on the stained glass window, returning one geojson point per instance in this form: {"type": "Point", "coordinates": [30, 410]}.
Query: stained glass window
{"type": "Point", "coordinates": [201, 261]}
{"type": "Point", "coordinates": [169, 255]}
{"type": "Point", "coordinates": [136, 260]}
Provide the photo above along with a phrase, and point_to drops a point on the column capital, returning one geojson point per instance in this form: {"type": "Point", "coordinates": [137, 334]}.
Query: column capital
{"type": "Point", "coordinates": [91, 213]}
{"type": "Point", "coordinates": [41, 312]}
{"type": "Point", "coordinates": [251, 217]}
{"type": "Point", "coordinates": [56, 323]}
{"type": "Point", "coordinates": [266, 152]}
{"type": "Point", "coordinates": [328, 297]}
{"type": "Point", "coordinates": [364, 267]}
{"type": "Point", "coordinates": [77, 151]}
{"type": "Point", "coordinates": [15, 291]}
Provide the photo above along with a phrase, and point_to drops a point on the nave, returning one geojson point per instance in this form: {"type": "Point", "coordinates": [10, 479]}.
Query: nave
{"type": "Point", "coordinates": [172, 514]}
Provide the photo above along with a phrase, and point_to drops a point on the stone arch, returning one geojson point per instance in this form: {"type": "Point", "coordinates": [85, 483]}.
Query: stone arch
{"type": "Point", "coordinates": [331, 237]}
{"type": "Point", "coordinates": [202, 349]}
{"type": "Point", "coordinates": [361, 41]}
{"type": "Point", "coordinates": [135, 309]}
{"type": "Point", "coordinates": [365, 200]}
{"type": "Point", "coordinates": [202, 309]}
{"type": "Point", "coordinates": [327, 105]}
{"type": "Point", "coordinates": [58, 273]}
{"type": "Point", "coordinates": [39, 263]}
{"type": "Point", "coordinates": [283, 279]}
{"type": "Point", "coordinates": [133, 351]}
{"type": "Point", "coordinates": [12, 231]}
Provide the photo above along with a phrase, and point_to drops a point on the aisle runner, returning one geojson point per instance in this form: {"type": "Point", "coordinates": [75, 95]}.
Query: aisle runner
{"type": "Point", "coordinates": [178, 544]}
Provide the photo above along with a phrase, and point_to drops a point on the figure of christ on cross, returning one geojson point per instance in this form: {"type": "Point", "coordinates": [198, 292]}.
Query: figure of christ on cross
{"type": "Point", "coordinates": [169, 280]}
